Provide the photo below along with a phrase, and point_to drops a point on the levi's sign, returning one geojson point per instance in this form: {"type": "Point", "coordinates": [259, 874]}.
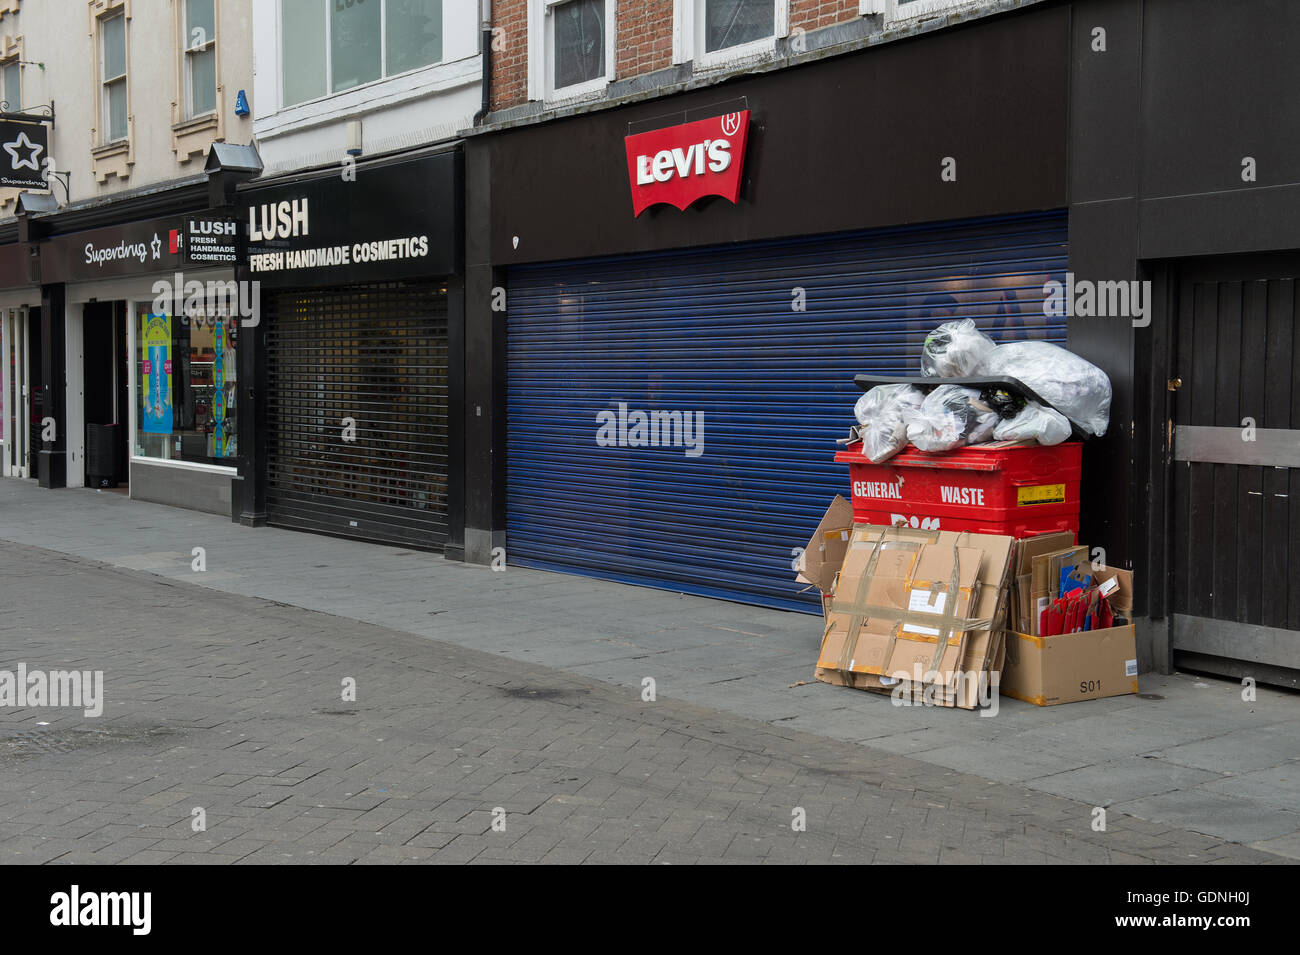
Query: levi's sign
{"type": "Point", "coordinates": [680, 164]}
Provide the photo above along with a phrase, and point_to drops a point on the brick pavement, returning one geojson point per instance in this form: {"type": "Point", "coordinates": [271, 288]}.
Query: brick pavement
{"type": "Point", "coordinates": [233, 704]}
{"type": "Point", "coordinates": [1189, 753]}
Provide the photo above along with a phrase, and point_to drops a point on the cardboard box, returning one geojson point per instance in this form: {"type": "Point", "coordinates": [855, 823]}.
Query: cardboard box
{"type": "Point", "coordinates": [911, 611]}
{"type": "Point", "coordinates": [822, 558]}
{"type": "Point", "coordinates": [1020, 614]}
{"type": "Point", "coordinates": [1071, 667]}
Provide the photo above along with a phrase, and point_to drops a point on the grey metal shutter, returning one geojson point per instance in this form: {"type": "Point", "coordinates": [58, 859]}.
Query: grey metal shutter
{"type": "Point", "coordinates": [376, 354]}
{"type": "Point", "coordinates": [717, 331]}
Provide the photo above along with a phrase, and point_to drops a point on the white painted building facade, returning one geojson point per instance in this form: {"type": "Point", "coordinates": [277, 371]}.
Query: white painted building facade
{"type": "Point", "coordinates": [371, 76]}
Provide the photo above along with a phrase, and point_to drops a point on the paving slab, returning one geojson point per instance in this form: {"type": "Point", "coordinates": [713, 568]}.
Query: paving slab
{"type": "Point", "coordinates": [742, 660]}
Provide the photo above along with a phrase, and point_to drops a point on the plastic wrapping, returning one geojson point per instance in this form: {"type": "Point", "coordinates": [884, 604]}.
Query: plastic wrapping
{"type": "Point", "coordinates": [1035, 422]}
{"type": "Point", "coordinates": [950, 417]}
{"type": "Point", "coordinates": [955, 350]}
{"type": "Point", "coordinates": [1076, 388]}
{"type": "Point", "coordinates": [883, 414]}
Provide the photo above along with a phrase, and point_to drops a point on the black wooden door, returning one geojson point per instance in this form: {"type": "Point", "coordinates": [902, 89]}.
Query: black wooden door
{"type": "Point", "coordinates": [1235, 531]}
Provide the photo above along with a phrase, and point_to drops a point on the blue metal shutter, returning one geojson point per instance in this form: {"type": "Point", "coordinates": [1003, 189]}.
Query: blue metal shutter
{"type": "Point", "coordinates": [714, 331]}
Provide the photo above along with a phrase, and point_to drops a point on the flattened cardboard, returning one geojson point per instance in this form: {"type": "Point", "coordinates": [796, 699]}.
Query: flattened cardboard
{"type": "Point", "coordinates": [1027, 548]}
{"type": "Point", "coordinates": [821, 559]}
{"type": "Point", "coordinates": [1071, 667]}
{"type": "Point", "coordinates": [984, 562]}
{"type": "Point", "coordinates": [1047, 578]}
{"type": "Point", "coordinates": [1022, 618]}
{"type": "Point", "coordinates": [912, 582]}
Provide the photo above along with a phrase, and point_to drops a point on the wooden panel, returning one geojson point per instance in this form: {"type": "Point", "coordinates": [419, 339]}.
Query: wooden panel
{"type": "Point", "coordinates": [1224, 578]}
{"type": "Point", "coordinates": [1250, 565]}
{"type": "Point", "coordinates": [1274, 552]}
{"type": "Point", "coordinates": [1250, 480]}
{"type": "Point", "coordinates": [1267, 447]}
{"type": "Point", "coordinates": [1254, 334]}
{"type": "Point", "coordinates": [1232, 523]}
{"type": "Point", "coordinates": [1293, 580]}
{"type": "Point", "coordinates": [1178, 532]}
{"type": "Point", "coordinates": [1275, 538]}
{"type": "Point", "coordinates": [1219, 638]}
{"type": "Point", "coordinates": [1200, 384]}
{"type": "Point", "coordinates": [1227, 356]}
{"type": "Point", "coordinates": [1200, 538]}
{"type": "Point", "coordinates": [1180, 475]}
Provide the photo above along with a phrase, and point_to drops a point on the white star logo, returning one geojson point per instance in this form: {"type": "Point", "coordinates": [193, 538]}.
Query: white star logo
{"type": "Point", "coordinates": [34, 151]}
{"type": "Point", "coordinates": [156, 245]}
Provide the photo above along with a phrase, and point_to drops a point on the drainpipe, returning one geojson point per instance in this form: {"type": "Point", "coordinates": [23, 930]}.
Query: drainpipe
{"type": "Point", "coordinates": [486, 27]}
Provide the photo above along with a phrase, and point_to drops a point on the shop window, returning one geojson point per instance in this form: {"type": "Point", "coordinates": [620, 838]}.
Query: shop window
{"type": "Point", "coordinates": [571, 47]}
{"type": "Point", "coordinates": [328, 46]}
{"type": "Point", "coordinates": [11, 85]}
{"type": "Point", "coordinates": [185, 387]}
{"type": "Point", "coordinates": [200, 49]}
{"type": "Point", "coordinates": [112, 62]}
{"type": "Point", "coordinates": [715, 32]}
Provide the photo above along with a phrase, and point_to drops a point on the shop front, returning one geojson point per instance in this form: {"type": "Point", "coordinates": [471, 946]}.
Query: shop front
{"type": "Point", "coordinates": [668, 412]}
{"type": "Point", "coordinates": [693, 291]}
{"type": "Point", "coordinates": [151, 328]}
{"type": "Point", "coordinates": [357, 275]}
{"type": "Point", "coordinates": [20, 360]}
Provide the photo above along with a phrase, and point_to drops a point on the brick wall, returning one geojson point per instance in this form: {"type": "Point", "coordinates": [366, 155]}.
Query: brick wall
{"type": "Point", "coordinates": [509, 53]}
{"type": "Point", "coordinates": [814, 14]}
{"type": "Point", "coordinates": [644, 39]}
{"type": "Point", "coordinates": [645, 36]}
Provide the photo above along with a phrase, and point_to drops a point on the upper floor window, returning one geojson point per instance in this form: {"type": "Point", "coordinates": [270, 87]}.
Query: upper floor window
{"type": "Point", "coordinates": [200, 46]}
{"type": "Point", "coordinates": [112, 76]}
{"type": "Point", "coordinates": [578, 38]}
{"type": "Point", "coordinates": [711, 32]}
{"type": "Point", "coordinates": [328, 46]}
{"type": "Point", "coordinates": [11, 84]}
{"type": "Point", "coordinates": [728, 23]}
{"type": "Point", "coordinates": [571, 48]}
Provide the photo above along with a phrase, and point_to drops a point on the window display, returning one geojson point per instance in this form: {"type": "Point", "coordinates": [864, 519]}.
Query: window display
{"type": "Point", "coordinates": [185, 386]}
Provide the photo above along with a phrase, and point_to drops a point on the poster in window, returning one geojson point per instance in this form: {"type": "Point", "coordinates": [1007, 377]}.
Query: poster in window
{"type": "Point", "coordinates": [219, 390]}
{"type": "Point", "coordinates": [156, 335]}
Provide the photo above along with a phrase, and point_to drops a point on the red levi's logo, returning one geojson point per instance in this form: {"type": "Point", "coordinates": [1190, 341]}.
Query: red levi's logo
{"type": "Point", "coordinates": [681, 164]}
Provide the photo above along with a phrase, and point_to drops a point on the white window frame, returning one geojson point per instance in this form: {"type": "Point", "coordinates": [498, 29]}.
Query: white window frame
{"type": "Point", "coordinates": [688, 36]}
{"type": "Point", "coordinates": [541, 53]}
{"type": "Point", "coordinates": [384, 75]}
{"type": "Point", "coordinates": [107, 138]}
{"type": "Point", "coordinates": [15, 105]}
{"type": "Point", "coordinates": [919, 9]}
{"type": "Point", "coordinates": [188, 69]}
